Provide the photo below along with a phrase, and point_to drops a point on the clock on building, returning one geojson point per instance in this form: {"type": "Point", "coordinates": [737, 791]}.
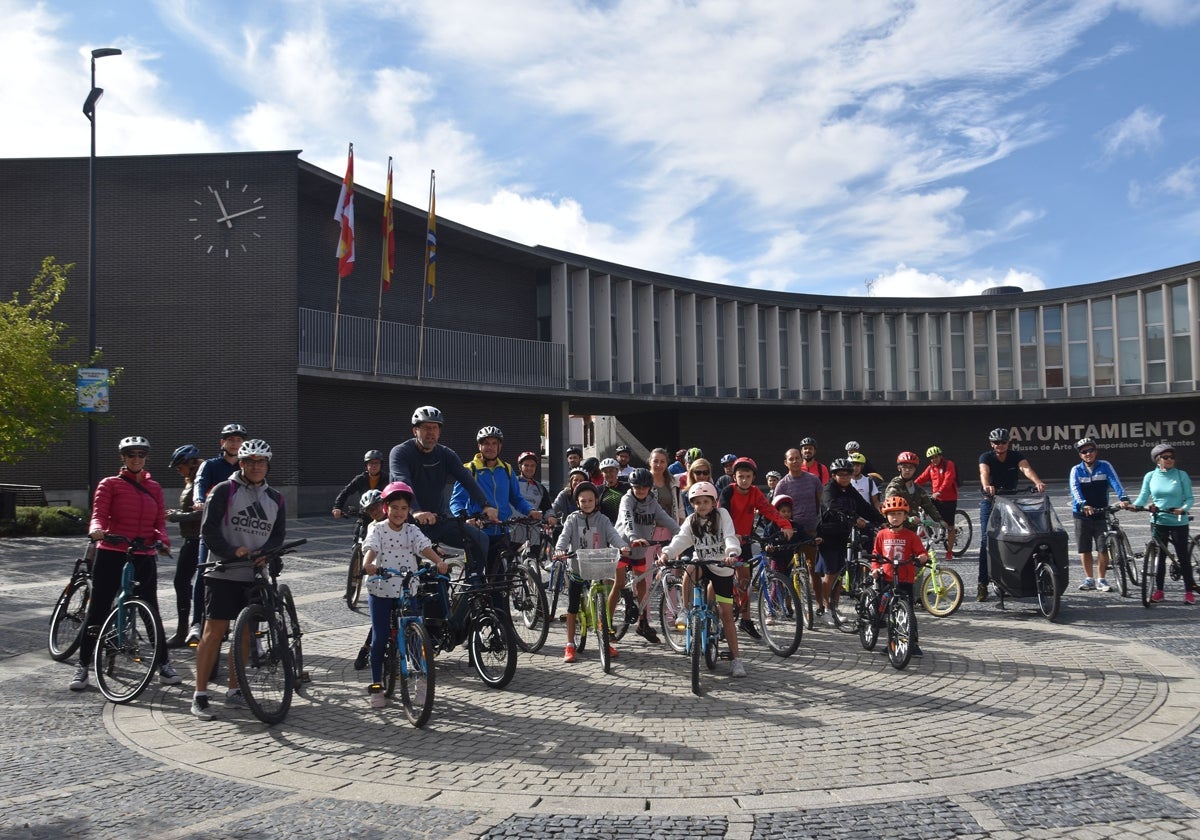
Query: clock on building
{"type": "Point", "coordinates": [227, 219]}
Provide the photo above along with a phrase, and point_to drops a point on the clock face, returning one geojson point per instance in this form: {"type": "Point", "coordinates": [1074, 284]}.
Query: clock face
{"type": "Point", "coordinates": [227, 219]}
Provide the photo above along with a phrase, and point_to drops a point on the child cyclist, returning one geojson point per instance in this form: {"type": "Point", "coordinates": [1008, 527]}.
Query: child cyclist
{"type": "Point", "coordinates": [587, 527]}
{"type": "Point", "coordinates": [709, 530]}
{"type": "Point", "coordinates": [899, 542]}
{"type": "Point", "coordinates": [638, 517]}
{"type": "Point", "coordinates": [742, 499]}
{"type": "Point", "coordinates": [370, 510]}
{"type": "Point", "coordinates": [391, 543]}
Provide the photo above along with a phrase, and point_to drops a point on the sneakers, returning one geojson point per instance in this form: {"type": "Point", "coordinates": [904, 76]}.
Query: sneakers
{"type": "Point", "coordinates": [829, 619]}
{"type": "Point", "coordinates": [916, 651]}
{"type": "Point", "coordinates": [739, 669]}
{"type": "Point", "coordinates": [981, 593]}
{"type": "Point", "coordinates": [647, 632]}
{"type": "Point", "coordinates": [612, 652]}
{"type": "Point", "coordinates": [770, 622]}
{"type": "Point", "coordinates": [569, 653]}
{"type": "Point", "coordinates": [200, 707]}
{"type": "Point", "coordinates": [747, 627]}
{"type": "Point", "coordinates": [1158, 595]}
{"type": "Point", "coordinates": [360, 661]}
{"type": "Point", "coordinates": [820, 611]}
{"type": "Point", "coordinates": [80, 681]}
{"type": "Point", "coordinates": [1088, 585]}
{"type": "Point", "coordinates": [1103, 585]}
{"type": "Point", "coordinates": [377, 698]}
{"type": "Point", "coordinates": [193, 636]}
{"type": "Point", "coordinates": [167, 675]}
{"type": "Point", "coordinates": [1189, 598]}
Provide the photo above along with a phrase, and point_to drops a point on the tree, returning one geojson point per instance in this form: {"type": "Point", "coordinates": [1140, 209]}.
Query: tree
{"type": "Point", "coordinates": [37, 392]}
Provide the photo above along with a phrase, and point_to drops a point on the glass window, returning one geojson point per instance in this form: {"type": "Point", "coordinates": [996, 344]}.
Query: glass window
{"type": "Point", "coordinates": [1181, 334]}
{"type": "Point", "coordinates": [1129, 340]}
{"type": "Point", "coordinates": [1156, 337]}
{"type": "Point", "coordinates": [1004, 350]}
{"type": "Point", "coordinates": [762, 348]}
{"type": "Point", "coordinates": [891, 348]}
{"type": "Point", "coordinates": [848, 335]}
{"type": "Point", "coordinates": [741, 349]}
{"type": "Point", "coordinates": [869, 382]}
{"type": "Point", "coordinates": [1052, 346]}
{"type": "Point", "coordinates": [826, 353]}
{"type": "Point", "coordinates": [1078, 336]}
{"type": "Point", "coordinates": [914, 353]}
{"type": "Point", "coordinates": [936, 380]}
{"type": "Point", "coordinates": [1103, 353]}
{"type": "Point", "coordinates": [785, 355]}
{"type": "Point", "coordinates": [1027, 325]}
{"type": "Point", "coordinates": [958, 351]}
{"type": "Point", "coordinates": [804, 379]}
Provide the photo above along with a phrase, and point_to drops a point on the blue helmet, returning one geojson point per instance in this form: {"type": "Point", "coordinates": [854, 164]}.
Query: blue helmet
{"type": "Point", "coordinates": [184, 453]}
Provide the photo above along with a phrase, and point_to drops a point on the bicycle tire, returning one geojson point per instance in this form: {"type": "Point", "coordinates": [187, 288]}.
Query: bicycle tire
{"type": "Point", "coordinates": [354, 577]}
{"type": "Point", "coordinates": [554, 586]}
{"type": "Point", "coordinates": [868, 623]}
{"type": "Point", "coordinates": [391, 662]}
{"type": "Point", "coordinates": [493, 648]}
{"type": "Point", "coordinates": [712, 641]}
{"type": "Point", "coordinates": [781, 620]}
{"type": "Point", "coordinates": [624, 614]}
{"type": "Point", "coordinates": [840, 620]}
{"type": "Point", "coordinates": [418, 677]}
{"type": "Point", "coordinates": [1121, 560]}
{"type": "Point", "coordinates": [603, 638]}
{"type": "Point", "coordinates": [900, 623]}
{"type": "Point", "coordinates": [1149, 572]}
{"type": "Point", "coordinates": [67, 619]}
{"type": "Point", "coordinates": [262, 663]}
{"type": "Point", "coordinates": [128, 650]}
{"type": "Point", "coordinates": [528, 608]}
{"type": "Point", "coordinates": [295, 636]}
{"type": "Point", "coordinates": [962, 525]}
{"type": "Point", "coordinates": [1135, 577]}
{"type": "Point", "coordinates": [802, 585]}
{"type": "Point", "coordinates": [672, 615]}
{"type": "Point", "coordinates": [941, 597]}
{"type": "Point", "coordinates": [1046, 581]}
{"type": "Point", "coordinates": [696, 645]}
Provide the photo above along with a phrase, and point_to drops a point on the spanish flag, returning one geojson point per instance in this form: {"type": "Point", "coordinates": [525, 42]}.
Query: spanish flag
{"type": "Point", "coordinates": [431, 244]}
{"type": "Point", "coordinates": [344, 215]}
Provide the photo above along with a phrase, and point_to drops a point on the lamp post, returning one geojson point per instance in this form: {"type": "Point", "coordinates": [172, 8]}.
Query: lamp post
{"type": "Point", "coordinates": [89, 110]}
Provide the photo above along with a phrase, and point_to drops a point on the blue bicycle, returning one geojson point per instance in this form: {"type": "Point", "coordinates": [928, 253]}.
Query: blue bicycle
{"type": "Point", "coordinates": [130, 643]}
{"type": "Point", "coordinates": [408, 649]}
{"type": "Point", "coordinates": [702, 624]}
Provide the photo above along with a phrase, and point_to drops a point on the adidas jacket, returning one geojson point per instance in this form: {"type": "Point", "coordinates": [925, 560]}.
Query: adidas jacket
{"type": "Point", "coordinates": [240, 514]}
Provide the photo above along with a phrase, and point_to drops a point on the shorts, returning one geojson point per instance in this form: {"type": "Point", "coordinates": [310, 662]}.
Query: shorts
{"type": "Point", "coordinates": [947, 510]}
{"type": "Point", "coordinates": [722, 587]}
{"type": "Point", "coordinates": [1089, 531]}
{"type": "Point", "coordinates": [637, 565]}
{"type": "Point", "coordinates": [832, 557]}
{"type": "Point", "coordinates": [224, 599]}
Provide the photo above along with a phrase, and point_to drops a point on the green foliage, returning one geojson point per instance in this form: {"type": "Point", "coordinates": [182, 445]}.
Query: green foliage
{"type": "Point", "coordinates": [45, 522]}
{"type": "Point", "coordinates": [37, 392]}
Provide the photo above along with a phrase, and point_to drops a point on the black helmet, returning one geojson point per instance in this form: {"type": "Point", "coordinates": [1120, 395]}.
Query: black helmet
{"type": "Point", "coordinates": [592, 465]}
{"type": "Point", "coordinates": [641, 477]}
{"type": "Point", "coordinates": [841, 465]}
{"type": "Point", "coordinates": [372, 455]}
{"type": "Point", "coordinates": [998, 436]}
{"type": "Point", "coordinates": [621, 447]}
{"type": "Point", "coordinates": [184, 453]}
{"type": "Point", "coordinates": [575, 450]}
{"type": "Point", "coordinates": [808, 442]}
{"type": "Point", "coordinates": [586, 486]}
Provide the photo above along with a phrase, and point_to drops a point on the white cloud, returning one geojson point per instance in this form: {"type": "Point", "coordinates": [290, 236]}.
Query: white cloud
{"type": "Point", "coordinates": [1139, 132]}
{"type": "Point", "coordinates": [1163, 12]}
{"type": "Point", "coordinates": [1184, 181]}
{"type": "Point", "coordinates": [903, 281]}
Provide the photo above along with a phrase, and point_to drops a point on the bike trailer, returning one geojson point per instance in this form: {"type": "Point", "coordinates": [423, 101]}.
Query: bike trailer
{"type": "Point", "coordinates": [1017, 527]}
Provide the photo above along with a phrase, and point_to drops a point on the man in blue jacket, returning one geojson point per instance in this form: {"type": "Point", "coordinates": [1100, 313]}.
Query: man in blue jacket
{"type": "Point", "coordinates": [1090, 481]}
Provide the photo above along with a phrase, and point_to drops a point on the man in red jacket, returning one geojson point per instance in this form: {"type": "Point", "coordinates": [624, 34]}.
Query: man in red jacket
{"type": "Point", "coordinates": [942, 479]}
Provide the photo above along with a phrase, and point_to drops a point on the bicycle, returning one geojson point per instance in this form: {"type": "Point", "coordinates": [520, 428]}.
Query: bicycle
{"type": "Point", "coordinates": [408, 649]}
{"type": "Point", "coordinates": [781, 610]}
{"type": "Point", "coordinates": [596, 565]}
{"type": "Point", "coordinates": [70, 610]}
{"type": "Point", "coordinates": [851, 581]}
{"type": "Point", "coordinates": [354, 573]}
{"type": "Point", "coordinates": [267, 647]}
{"type": "Point", "coordinates": [941, 589]}
{"type": "Point", "coordinates": [702, 623]}
{"type": "Point", "coordinates": [528, 610]}
{"type": "Point", "coordinates": [130, 643]}
{"type": "Point", "coordinates": [882, 604]}
{"type": "Point", "coordinates": [1120, 552]}
{"type": "Point", "coordinates": [1158, 550]}
{"type": "Point", "coordinates": [630, 608]}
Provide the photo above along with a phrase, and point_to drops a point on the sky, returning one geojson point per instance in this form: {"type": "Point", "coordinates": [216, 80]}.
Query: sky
{"type": "Point", "coordinates": [915, 148]}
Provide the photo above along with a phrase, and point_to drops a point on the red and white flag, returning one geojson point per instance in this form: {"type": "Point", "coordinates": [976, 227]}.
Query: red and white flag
{"type": "Point", "coordinates": [344, 215]}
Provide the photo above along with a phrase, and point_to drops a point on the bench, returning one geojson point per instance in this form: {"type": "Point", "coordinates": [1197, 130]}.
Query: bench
{"type": "Point", "coordinates": [24, 495]}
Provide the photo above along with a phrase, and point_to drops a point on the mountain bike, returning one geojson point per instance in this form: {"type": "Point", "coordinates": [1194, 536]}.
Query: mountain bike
{"type": "Point", "coordinates": [70, 610]}
{"type": "Point", "coordinates": [130, 643]}
{"type": "Point", "coordinates": [354, 573]}
{"type": "Point", "coordinates": [528, 610]}
{"type": "Point", "coordinates": [883, 605]}
{"type": "Point", "coordinates": [1120, 552]}
{"type": "Point", "coordinates": [851, 582]}
{"type": "Point", "coordinates": [408, 655]}
{"type": "Point", "coordinates": [1159, 550]}
{"type": "Point", "coordinates": [781, 610]}
{"type": "Point", "coordinates": [629, 608]}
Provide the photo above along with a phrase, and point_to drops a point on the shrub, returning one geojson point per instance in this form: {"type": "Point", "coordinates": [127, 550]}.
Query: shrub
{"type": "Point", "coordinates": [45, 522]}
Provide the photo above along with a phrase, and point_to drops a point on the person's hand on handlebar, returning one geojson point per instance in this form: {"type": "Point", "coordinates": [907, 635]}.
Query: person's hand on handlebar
{"type": "Point", "coordinates": [424, 517]}
{"type": "Point", "coordinates": [97, 535]}
{"type": "Point", "coordinates": [491, 513]}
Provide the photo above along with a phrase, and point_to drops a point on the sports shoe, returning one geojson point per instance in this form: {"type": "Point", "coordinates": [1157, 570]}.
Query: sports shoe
{"type": "Point", "coordinates": [360, 661]}
{"type": "Point", "coordinates": [829, 619]}
{"type": "Point", "coordinates": [377, 698]}
{"type": "Point", "coordinates": [201, 709]}
{"type": "Point", "coordinates": [234, 699]}
{"type": "Point", "coordinates": [1158, 595]}
{"type": "Point", "coordinates": [1103, 585]}
{"type": "Point", "coordinates": [193, 636]}
{"type": "Point", "coordinates": [1088, 585]}
{"type": "Point", "coordinates": [770, 621]}
{"type": "Point", "coordinates": [981, 593]}
{"type": "Point", "coordinates": [569, 653]}
{"type": "Point", "coordinates": [647, 632]}
{"type": "Point", "coordinates": [820, 611]}
{"type": "Point", "coordinates": [916, 651]}
{"type": "Point", "coordinates": [167, 675]}
{"type": "Point", "coordinates": [747, 627]}
{"type": "Point", "coordinates": [612, 652]}
{"type": "Point", "coordinates": [1189, 598]}
{"type": "Point", "coordinates": [739, 669]}
{"type": "Point", "coordinates": [80, 681]}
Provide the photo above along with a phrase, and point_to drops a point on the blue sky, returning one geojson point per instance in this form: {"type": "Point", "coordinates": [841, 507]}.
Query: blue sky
{"type": "Point", "coordinates": [932, 148]}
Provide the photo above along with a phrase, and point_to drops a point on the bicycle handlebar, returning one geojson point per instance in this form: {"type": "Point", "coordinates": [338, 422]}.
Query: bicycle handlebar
{"type": "Point", "coordinates": [135, 543]}
{"type": "Point", "coordinates": [286, 548]}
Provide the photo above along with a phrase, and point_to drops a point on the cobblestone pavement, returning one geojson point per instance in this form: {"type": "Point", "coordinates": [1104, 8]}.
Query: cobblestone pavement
{"type": "Point", "coordinates": [1007, 727]}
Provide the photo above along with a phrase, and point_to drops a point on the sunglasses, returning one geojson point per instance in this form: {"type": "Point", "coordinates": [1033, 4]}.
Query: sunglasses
{"type": "Point", "coordinates": [1166, 456]}
{"type": "Point", "coordinates": [135, 454]}
{"type": "Point", "coordinates": [1088, 451]}
{"type": "Point", "coordinates": [701, 472]}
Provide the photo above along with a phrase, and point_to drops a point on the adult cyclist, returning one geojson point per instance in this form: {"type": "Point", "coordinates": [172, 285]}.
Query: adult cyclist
{"type": "Point", "coordinates": [1000, 468]}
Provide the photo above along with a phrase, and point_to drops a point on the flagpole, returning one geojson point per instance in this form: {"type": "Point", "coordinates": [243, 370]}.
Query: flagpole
{"type": "Point", "coordinates": [337, 308]}
{"type": "Point", "coordinates": [424, 286]}
{"type": "Point", "coordinates": [385, 273]}
{"type": "Point", "coordinates": [344, 216]}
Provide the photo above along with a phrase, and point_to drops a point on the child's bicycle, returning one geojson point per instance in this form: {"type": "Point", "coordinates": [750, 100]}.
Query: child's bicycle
{"type": "Point", "coordinates": [408, 650]}
{"type": "Point", "coordinates": [882, 605]}
{"type": "Point", "coordinates": [852, 581]}
{"type": "Point", "coordinates": [702, 624]}
{"type": "Point", "coordinates": [940, 587]}
{"type": "Point", "coordinates": [630, 608]}
{"type": "Point", "coordinates": [597, 565]}
{"type": "Point", "coordinates": [130, 644]}
{"type": "Point", "coordinates": [782, 612]}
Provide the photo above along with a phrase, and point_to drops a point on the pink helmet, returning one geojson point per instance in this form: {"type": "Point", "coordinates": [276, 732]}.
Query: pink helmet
{"type": "Point", "coordinates": [702, 488]}
{"type": "Point", "coordinates": [398, 489]}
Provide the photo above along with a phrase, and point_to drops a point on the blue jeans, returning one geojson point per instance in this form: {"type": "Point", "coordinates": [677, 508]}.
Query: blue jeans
{"type": "Point", "coordinates": [985, 513]}
{"type": "Point", "coordinates": [476, 543]}
{"type": "Point", "coordinates": [381, 627]}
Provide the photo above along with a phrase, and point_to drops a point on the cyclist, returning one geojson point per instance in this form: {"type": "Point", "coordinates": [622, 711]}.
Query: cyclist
{"type": "Point", "coordinates": [564, 503]}
{"type": "Point", "coordinates": [743, 500]}
{"type": "Point", "coordinates": [899, 542]}
{"type": "Point", "coordinates": [370, 510]}
{"type": "Point", "coordinates": [709, 530]}
{"type": "Point", "coordinates": [391, 543]}
{"type": "Point", "coordinates": [809, 462]}
{"type": "Point", "coordinates": [727, 462]}
{"type": "Point", "coordinates": [212, 472]}
{"type": "Point", "coordinates": [371, 478]}
{"type": "Point", "coordinates": [778, 548]}
{"type": "Point", "coordinates": [841, 505]}
{"type": "Point", "coordinates": [1089, 482]}
{"type": "Point", "coordinates": [905, 486]}
{"type": "Point", "coordinates": [679, 465]}
{"type": "Point", "coordinates": [612, 489]}
{"type": "Point", "coordinates": [853, 448]}
{"type": "Point", "coordinates": [1000, 469]}
{"type": "Point", "coordinates": [1168, 490]}
{"type": "Point", "coordinates": [623, 453]}
{"type": "Point", "coordinates": [666, 487]}
{"type": "Point", "coordinates": [805, 491]}
{"type": "Point", "coordinates": [942, 477]}
{"type": "Point", "coordinates": [574, 457]}
{"type": "Point", "coordinates": [585, 528]}
{"type": "Point", "coordinates": [186, 461]}
{"type": "Point", "coordinates": [773, 477]}
{"type": "Point", "coordinates": [639, 517]}
{"type": "Point", "coordinates": [243, 515]}
{"type": "Point", "coordinates": [860, 481]}
{"type": "Point", "coordinates": [128, 504]}
{"type": "Point", "coordinates": [426, 465]}
{"type": "Point", "coordinates": [536, 494]}
{"type": "Point", "coordinates": [699, 469]}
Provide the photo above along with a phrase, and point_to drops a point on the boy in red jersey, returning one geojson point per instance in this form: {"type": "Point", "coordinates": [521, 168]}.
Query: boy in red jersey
{"type": "Point", "coordinates": [900, 543]}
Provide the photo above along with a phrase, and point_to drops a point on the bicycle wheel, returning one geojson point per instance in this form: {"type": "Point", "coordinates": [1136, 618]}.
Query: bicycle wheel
{"type": "Point", "coordinates": [66, 621]}
{"type": "Point", "coordinates": [554, 587]}
{"type": "Point", "coordinates": [262, 663]}
{"type": "Point", "coordinates": [603, 637]}
{"type": "Point", "coordinates": [528, 608]}
{"type": "Point", "coordinates": [696, 646]}
{"type": "Point", "coordinates": [712, 637]}
{"type": "Point", "coordinates": [1149, 571]}
{"type": "Point", "coordinates": [624, 614]}
{"type": "Point", "coordinates": [1047, 589]}
{"type": "Point", "coordinates": [868, 621]}
{"type": "Point", "coordinates": [354, 577]}
{"type": "Point", "coordinates": [1135, 574]}
{"type": "Point", "coordinates": [802, 585]}
{"type": "Point", "coordinates": [963, 532]}
{"type": "Point", "coordinates": [127, 651]}
{"type": "Point", "coordinates": [1121, 560]}
{"type": "Point", "coordinates": [417, 676]}
{"type": "Point", "coordinates": [493, 649]}
{"type": "Point", "coordinates": [672, 615]}
{"type": "Point", "coordinates": [900, 625]}
{"type": "Point", "coordinates": [841, 621]}
{"type": "Point", "coordinates": [391, 662]}
{"type": "Point", "coordinates": [941, 593]}
{"type": "Point", "coordinates": [291, 627]}
{"type": "Point", "coordinates": [781, 622]}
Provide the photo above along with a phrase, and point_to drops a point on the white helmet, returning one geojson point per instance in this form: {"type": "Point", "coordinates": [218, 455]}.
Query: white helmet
{"type": "Point", "coordinates": [133, 442]}
{"type": "Point", "coordinates": [427, 414]}
{"type": "Point", "coordinates": [608, 463]}
{"type": "Point", "coordinates": [702, 488]}
{"type": "Point", "coordinates": [254, 448]}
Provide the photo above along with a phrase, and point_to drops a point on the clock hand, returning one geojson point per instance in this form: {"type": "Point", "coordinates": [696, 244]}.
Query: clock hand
{"type": "Point", "coordinates": [229, 216]}
{"type": "Point", "coordinates": [221, 204]}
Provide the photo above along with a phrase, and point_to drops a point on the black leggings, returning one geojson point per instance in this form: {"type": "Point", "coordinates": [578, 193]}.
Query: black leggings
{"type": "Point", "coordinates": [185, 567]}
{"type": "Point", "coordinates": [1177, 536]}
{"type": "Point", "coordinates": [106, 583]}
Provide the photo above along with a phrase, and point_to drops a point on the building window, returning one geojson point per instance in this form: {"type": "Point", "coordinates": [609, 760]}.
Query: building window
{"type": "Point", "coordinates": [1103, 349]}
{"type": "Point", "coordinates": [786, 373]}
{"type": "Point", "coordinates": [1004, 351]}
{"type": "Point", "coordinates": [958, 351]}
{"type": "Point", "coordinates": [1156, 338]}
{"type": "Point", "coordinates": [1181, 333]}
{"type": "Point", "coordinates": [849, 374]}
{"type": "Point", "coordinates": [1129, 339]}
{"type": "Point", "coordinates": [1027, 326]}
{"type": "Point", "coordinates": [1052, 346]}
{"type": "Point", "coordinates": [721, 383]}
{"type": "Point", "coordinates": [803, 376]}
{"type": "Point", "coordinates": [1078, 336]}
{"type": "Point", "coordinates": [742, 350]}
{"type": "Point", "coordinates": [891, 351]}
{"type": "Point", "coordinates": [869, 382]}
{"type": "Point", "coordinates": [762, 348]}
{"type": "Point", "coordinates": [936, 380]}
{"type": "Point", "coordinates": [826, 353]}
{"type": "Point", "coordinates": [983, 347]}
{"type": "Point", "coordinates": [914, 353]}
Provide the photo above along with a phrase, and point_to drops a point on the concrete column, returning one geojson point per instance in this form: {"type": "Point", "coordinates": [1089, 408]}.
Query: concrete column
{"type": "Point", "coordinates": [581, 328]}
{"type": "Point", "coordinates": [668, 369]}
{"type": "Point", "coordinates": [689, 361]}
{"type": "Point", "coordinates": [625, 348]}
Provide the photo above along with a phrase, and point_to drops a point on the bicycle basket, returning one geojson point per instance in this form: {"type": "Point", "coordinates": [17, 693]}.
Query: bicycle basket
{"type": "Point", "coordinates": [595, 563]}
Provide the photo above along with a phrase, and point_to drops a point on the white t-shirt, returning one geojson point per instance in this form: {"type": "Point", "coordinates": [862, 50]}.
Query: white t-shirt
{"type": "Point", "coordinates": [865, 485]}
{"type": "Point", "coordinates": [395, 549]}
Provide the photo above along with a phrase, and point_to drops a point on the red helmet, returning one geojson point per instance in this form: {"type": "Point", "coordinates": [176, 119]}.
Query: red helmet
{"type": "Point", "coordinates": [532, 455]}
{"type": "Point", "coordinates": [907, 458]}
{"type": "Point", "coordinates": [782, 500]}
{"type": "Point", "coordinates": [745, 462]}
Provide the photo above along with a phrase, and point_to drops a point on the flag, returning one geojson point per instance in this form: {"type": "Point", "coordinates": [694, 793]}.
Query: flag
{"type": "Point", "coordinates": [389, 234]}
{"type": "Point", "coordinates": [344, 215]}
{"type": "Point", "coordinates": [431, 245]}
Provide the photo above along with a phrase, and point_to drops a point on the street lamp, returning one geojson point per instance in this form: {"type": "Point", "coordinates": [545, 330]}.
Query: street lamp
{"type": "Point", "coordinates": [89, 110]}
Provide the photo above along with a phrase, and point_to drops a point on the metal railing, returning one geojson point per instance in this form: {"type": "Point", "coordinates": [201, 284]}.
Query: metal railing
{"type": "Point", "coordinates": [448, 355]}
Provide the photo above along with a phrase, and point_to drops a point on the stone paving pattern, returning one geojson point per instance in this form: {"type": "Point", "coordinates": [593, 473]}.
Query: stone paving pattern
{"type": "Point", "coordinates": [1008, 727]}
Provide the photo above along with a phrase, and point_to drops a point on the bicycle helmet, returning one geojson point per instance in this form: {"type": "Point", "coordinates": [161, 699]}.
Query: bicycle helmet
{"type": "Point", "coordinates": [857, 458]}
{"type": "Point", "coordinates": [702, 488]}
{"type": "Point", "coordinates": [933, 450]}
{"type": "Point", "coordinates": [254, 448]}
{"type": "Point", "coordinates": [427, 414]}
{"type": "Point", "coordinates": [232, 429]}
{"type": "Point", "coordinates": [133, 442]}
{"type": "Point", "coordinates": [853, 446]}
{"type": "Point", "coordinates": [998, 436]}
{"type": "Point", "coordinates": [373, 455]}
{"type": "Point", "coordinates": [694, 453]}
{"type": "Point", "coordinates": [371, 497]}
{"type": "Point", "coordinates": [609, 464]}
{"type": "Point", "coordinates": [525, 456]}
{"type": "Point", "coordinates": [586, 486]}
{"type": "Point", "coordinates": [745, 462]}
{"type": "Point", "coordinates": [577, 471]}
{"type": "Point", "coordinates": [894, 503]}
{"type": "Point", "coordinates": [398, 490]}
{"type": "Point", "coordinates": [728, 459]}
{"type": "Point", "coordinates": [782, 500]}
{"type": "Point", "coordinates": [774, 474]}
{"type": "Point", "coordinates": [907, 458]}
{"type": "Point", "coordinates": [623, 448]}
{"type": "Point", "coordinates": [641, 477]}
{"type": "Point", "coordinates": [1160, 449]}
{"type": "Point", "coordinates": [184, 453]}
{"type": "Point", "coordinates": [1083, 443]}
{"type": "Point", "coordinates": [592, 465]}
{"type": "Point", "coordinates": [841, 465]}
{"type": "Point", "coordinates": [487, 432]}
{"type": "Point", "coordinates": [808, 442]}
{"type": "Point", "coordinates": [575, 450]}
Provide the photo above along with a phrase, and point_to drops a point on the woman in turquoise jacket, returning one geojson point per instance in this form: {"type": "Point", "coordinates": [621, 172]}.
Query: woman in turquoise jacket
{"type": "Point", "coordinates": [1167, 493]}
